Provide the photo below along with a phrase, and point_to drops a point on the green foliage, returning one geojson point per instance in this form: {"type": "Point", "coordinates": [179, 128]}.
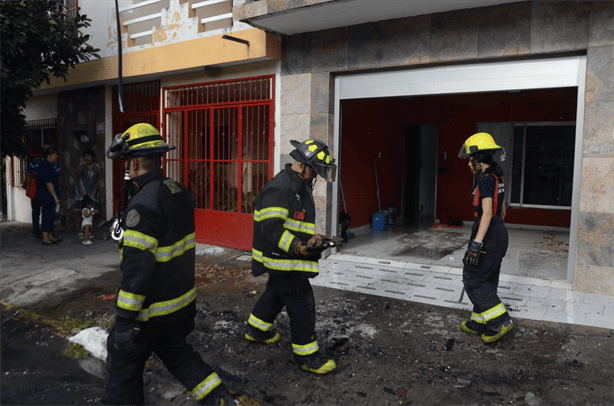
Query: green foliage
{"type": "Point", "coordinates": [75, 351]}
{"type": "Point", "coordinates": [39, 39]}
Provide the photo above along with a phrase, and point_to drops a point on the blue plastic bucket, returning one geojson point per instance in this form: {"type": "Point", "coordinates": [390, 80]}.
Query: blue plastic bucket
{"type": "Point", "coordinates": [379, 221]}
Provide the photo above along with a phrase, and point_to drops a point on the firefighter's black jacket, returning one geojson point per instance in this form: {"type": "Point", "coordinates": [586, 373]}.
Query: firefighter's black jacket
{"type": "Point", "coordinates": [158, 252]}
{"type": "Point", "coordinates": [284, 213]}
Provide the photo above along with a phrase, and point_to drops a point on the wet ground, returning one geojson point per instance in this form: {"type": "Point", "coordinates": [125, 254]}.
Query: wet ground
{"type": "Point", "coordinates": [388, 352]}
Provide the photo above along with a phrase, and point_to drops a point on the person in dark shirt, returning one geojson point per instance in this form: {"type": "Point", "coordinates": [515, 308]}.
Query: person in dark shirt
{"type": "Point", "coordinates": [488, 242]}
{"type": "Point", "coordinates": [47, 193]}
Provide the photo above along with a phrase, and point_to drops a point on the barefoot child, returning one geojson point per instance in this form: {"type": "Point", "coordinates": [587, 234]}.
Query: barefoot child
{"type": "Point", "coordinates": [88, 217]}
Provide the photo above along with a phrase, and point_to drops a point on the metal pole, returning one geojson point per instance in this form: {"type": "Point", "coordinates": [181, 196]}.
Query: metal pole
{"type": "Point", "coordinates": [379, 207]}
{"type": "Point", "coordinates": [120, 95]}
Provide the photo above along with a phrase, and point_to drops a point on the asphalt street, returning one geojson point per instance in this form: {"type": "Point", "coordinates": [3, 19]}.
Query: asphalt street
{"type": "Point", "coordinates": [388, 351]}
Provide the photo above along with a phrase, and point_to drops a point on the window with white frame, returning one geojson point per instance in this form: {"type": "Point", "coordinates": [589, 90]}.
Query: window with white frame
{"type": "Point", "coordinates": [542, 167]}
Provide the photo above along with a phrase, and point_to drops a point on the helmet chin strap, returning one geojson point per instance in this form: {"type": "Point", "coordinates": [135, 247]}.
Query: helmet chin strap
{"type": "Point", "coordinates": [118, 234]}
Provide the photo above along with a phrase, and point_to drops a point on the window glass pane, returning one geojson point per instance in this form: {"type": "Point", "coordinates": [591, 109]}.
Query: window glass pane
{"type": "Point", "coordinates": [516, 176]}
{"type": "Point", "coordinates": [549, 165]}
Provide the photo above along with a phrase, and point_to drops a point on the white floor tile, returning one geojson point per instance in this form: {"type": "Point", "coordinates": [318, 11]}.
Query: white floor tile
{"type": "Point", "coordinates": [456, 271]}
{"type": "Point", "coordinates": [531, 291]}
{"type": "Point", "coordinates": [385, 262]}
{"type": "Point", "coordinates": [595, 320]}
{"type": "Point", "coordinates": [601, 299]}
{"type": "Point", "coordinates": [585, 308]}
{"type": "Point", "coordinates": [416, 273]}
{"type": "Point", "coordinates": [423, 297]}
{"type": "Point", "coordinates": [524, 280]}
{"type": "Point", "coordinates": [564, 317]}
{"type": "Point", "coordinates": [452, 302]}
{"type": "Point", "coordinates": [386, 272]}
{"type": "Point", "coordinates": [561, 285]}
{"type": "Point", "coordinates": [350, 258]}
{"type": "Point", "coordinates": [429, 268]}
{"type": "Point", "coordinates": [441, 278]}
{"type": "Point", "coordinates": [530, 313]}
{"type": "Point", "coordinates": [360, 277]}
{"type": "Point", "coordinates": [566, 295]}
{"type": "Point", "coordinates": [513, 300]}
{"type": "Point", "coordinates": [549, 305]}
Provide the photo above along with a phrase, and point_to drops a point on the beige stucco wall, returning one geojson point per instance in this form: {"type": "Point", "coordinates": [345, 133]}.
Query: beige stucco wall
{"type": "Point", "coordinates": [519, 30]}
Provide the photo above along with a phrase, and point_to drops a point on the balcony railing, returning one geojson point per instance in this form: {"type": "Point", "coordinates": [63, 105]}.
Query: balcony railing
{"type": "Point", "coordinates": [142, 19]}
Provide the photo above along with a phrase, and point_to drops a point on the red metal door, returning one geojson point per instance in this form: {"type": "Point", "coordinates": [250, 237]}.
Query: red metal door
{"type": "Point", "coordinates": [224, 137]}
{"type": "Point", "coordinates": [141, 105]}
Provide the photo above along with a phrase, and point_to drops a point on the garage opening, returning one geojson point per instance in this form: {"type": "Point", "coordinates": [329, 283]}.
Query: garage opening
{"type": "Point", "coordinates": [399, 151]}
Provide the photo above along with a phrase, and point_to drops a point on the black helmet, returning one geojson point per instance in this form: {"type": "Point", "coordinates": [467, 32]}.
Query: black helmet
{"type": "Point", "coordinates": [316, 155]}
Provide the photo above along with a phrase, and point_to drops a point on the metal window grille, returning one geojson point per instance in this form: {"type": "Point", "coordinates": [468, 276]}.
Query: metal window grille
{"type": "Point", "coordinates": [38, 133]}
{"type": "Point", "coordinates": [224, 137]}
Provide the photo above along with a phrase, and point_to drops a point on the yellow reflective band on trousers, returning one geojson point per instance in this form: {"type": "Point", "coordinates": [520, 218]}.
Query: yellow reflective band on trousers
{"type": "Point", "coordinates": [259, 324]}
{"type": "Point", "coordinates": [130, 301]}
{"type": "Point", "coordinates": [286, 241]}
{"type": "Point", "coordinates": [286, 264]}
{"type": "Point", "coordinates": [494, 312]}
{"type": "Point", "coordinates": [477, 317]}
{"type": "Point", "coordinates": [270, 212]}
{"type": "Point", "coordinates": [140, 241]}
{"type": "Point", "coordinates": [165, 254]}
{"type": "Point", "coordinates": [205, 387]}
{"type": "Point", "coordinates": [168, 306]}
{"type": "Point", "coordinates": [300, 226]}
{"type": "Point", "coordinates": [306, 349]}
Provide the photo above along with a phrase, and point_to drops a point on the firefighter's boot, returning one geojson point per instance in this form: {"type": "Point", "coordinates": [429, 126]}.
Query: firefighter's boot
{"type": "Point", "coordinates": [316, 363]}
{"type": "Point", "coordinates": [259, 336]}
{"type": "Point", "coordinates": [471, 327]}
{"type": "Point", "coordinates": [492, 336]}
{"type": "Point", "coordinates": [219, 397]}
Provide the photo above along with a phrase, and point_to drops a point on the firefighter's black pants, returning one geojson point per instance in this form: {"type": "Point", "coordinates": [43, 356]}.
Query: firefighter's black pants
{"type": "Point", "coordinates": [297, 296]}
{"type": "Point", "coordinates": [481, 281]}
{"type": "Point", "coordinates": [167, 340]}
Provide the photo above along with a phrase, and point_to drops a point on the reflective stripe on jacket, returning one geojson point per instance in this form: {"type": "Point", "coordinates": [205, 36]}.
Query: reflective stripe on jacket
{"type": "Point", "coordinates": [158, 252]}
{"type": "Point", "coordinates": [284, 213]}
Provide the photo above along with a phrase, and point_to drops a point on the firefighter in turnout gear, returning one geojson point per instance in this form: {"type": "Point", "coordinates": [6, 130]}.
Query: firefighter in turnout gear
{"type": "Point", "coordinates": [156, 302]}
{"type": "Point", "coordinates": [488, 242]}
{"type": "Point", "coordinates": [287, 248]}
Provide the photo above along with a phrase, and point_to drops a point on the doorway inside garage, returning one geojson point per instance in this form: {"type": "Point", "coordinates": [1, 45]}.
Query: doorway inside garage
{"type": "Point", "coordinates": [403, 149]}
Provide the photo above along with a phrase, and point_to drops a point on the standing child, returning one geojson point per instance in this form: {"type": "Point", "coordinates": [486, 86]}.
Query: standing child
{"type": "Point", "coordinates": [88, 217]}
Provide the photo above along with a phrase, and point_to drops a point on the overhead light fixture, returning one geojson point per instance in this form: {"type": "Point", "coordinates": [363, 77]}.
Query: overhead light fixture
{"type": "Point", "coordinates": [235, 39]}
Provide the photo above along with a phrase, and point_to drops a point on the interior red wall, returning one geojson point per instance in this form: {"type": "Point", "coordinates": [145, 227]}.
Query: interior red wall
{"type": "Point", "coordinates": [373, 125]}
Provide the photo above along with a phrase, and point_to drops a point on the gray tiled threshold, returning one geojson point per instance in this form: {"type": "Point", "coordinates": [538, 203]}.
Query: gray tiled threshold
{"type": "Point", "coordinates": [424, 265]}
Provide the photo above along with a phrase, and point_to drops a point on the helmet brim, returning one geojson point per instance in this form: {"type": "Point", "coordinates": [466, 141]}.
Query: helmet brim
{"type": "Point", "coordinates": [326, 172]}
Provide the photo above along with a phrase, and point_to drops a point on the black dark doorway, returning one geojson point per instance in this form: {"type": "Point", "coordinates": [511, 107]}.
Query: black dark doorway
{"type": "Point", "coordinates": [411, 172]}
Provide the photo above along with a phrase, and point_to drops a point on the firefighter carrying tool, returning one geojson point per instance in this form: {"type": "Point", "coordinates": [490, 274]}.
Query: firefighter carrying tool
{"type": "Point", "coordinates": [156, 301]}
{"type": "Point", "coordinates": [488, 242]}
{"type": "Point", "coordinates": [287, 248]}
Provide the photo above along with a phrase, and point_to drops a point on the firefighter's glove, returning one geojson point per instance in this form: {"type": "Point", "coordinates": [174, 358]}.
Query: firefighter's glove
{"type": "Point", "coordinates": [124, 332]}
{"type": "Point", "coordinates": [300, 249]}
{"type": "Point", "coordinates": [316, 241]}
{"type": "Point", "coordinates": [472, 256]}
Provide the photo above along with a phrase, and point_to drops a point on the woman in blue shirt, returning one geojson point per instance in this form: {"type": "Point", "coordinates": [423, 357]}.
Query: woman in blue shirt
{"type": "Point", "coordinates": [48, 192]}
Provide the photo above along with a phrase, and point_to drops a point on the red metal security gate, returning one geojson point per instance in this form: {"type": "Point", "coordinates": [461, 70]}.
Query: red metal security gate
{"type": "Point", "coordinates": [224, 137]}
{"type": "Point", "coordinates": [141, 105]}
